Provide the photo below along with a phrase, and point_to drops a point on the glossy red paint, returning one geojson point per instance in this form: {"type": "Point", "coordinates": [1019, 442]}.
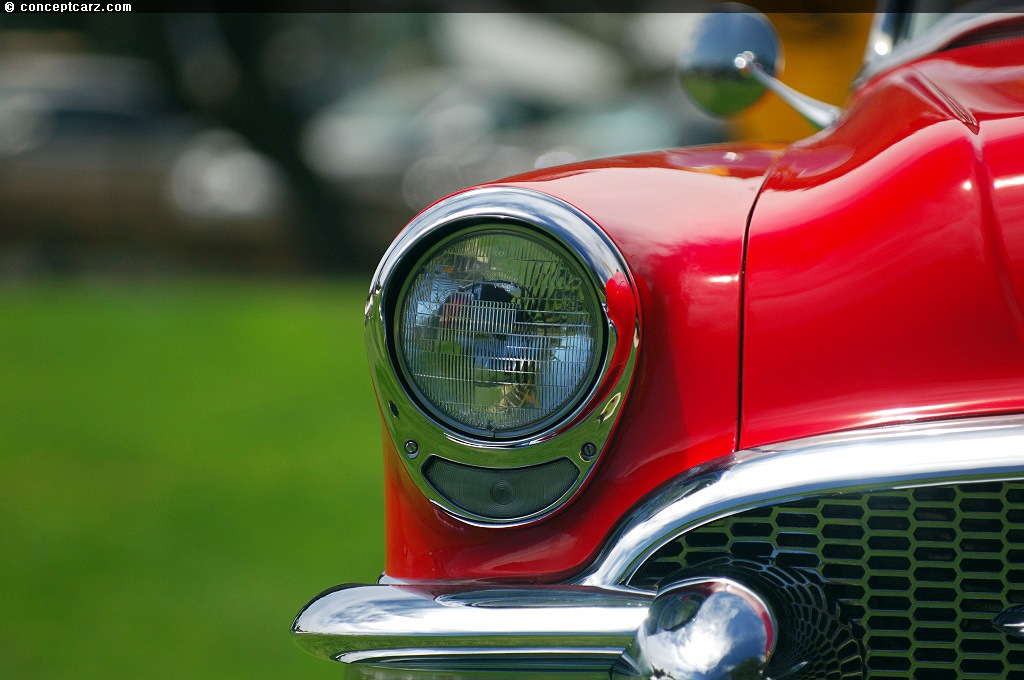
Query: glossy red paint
{"type": "Point", "coordinates": [885, 264]}
{"type": "Point", "coordinates": [883, 283]}
{"type": "Point", "coordinates": [679, 219]}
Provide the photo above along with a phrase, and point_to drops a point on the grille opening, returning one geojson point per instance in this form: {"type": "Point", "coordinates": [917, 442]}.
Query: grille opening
{"type": "Point", "coordinates": [920, 574]}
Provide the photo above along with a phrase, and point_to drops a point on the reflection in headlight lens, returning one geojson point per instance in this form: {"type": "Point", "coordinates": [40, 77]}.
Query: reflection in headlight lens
{"type": "Point", "coordinates": [500, 331]}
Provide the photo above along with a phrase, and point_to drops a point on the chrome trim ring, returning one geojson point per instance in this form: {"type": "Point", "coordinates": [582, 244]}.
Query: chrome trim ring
{"type": "Point", "coordinates": [581, 434]}
{"type": "Point", "coordinates": [890, 457]}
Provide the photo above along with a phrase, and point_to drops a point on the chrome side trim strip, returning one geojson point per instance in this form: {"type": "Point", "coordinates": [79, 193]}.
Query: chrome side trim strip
{"type": "Point", "coordinates": [900, 456]}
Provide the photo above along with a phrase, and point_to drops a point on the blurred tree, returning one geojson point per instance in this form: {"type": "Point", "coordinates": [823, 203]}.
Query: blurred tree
{"type": "Point", "coordinates": [216, 63]}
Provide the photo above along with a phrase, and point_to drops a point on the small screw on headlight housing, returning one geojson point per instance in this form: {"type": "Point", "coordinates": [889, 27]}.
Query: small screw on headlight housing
{"type": "Point", "coordinates": [588, 451]}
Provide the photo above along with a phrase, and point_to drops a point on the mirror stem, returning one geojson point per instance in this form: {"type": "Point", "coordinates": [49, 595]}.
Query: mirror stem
{"type": "Point", "coordinates": [816, 112]}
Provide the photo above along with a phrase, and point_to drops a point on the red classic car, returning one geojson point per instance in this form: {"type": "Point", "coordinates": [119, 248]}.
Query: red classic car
{"type": "Point", "coordinates": [732, 411]}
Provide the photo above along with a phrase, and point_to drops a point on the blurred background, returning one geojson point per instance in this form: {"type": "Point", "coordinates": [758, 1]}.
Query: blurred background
{"type": "Point", "coordinates": [190, 209]}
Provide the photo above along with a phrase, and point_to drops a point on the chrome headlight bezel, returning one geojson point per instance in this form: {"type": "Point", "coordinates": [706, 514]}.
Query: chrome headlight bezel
{"type": "Point", "coordinates": [579, 431]}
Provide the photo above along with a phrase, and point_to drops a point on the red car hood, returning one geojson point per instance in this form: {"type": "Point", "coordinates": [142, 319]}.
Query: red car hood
{"type": "Point", "coordinates": [885, 267]}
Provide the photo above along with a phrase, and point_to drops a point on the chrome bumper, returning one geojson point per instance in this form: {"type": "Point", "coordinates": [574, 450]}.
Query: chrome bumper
{"type": "Point", "coordinates": [599, 627]}
{"type": "Point", "coordinates": [700, 629]}
{"type": "Point", "coordinates": [392, 631]}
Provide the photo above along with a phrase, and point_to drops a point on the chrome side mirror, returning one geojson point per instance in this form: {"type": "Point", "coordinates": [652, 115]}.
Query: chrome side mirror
{"type": "Point", "coordinates": [707, 67]}
{"type": "Point", "coordinates": [733, 57]}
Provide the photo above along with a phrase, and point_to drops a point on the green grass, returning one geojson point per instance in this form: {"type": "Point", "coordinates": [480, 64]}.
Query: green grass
{"type": "Point", "coordinates": [182, 466]}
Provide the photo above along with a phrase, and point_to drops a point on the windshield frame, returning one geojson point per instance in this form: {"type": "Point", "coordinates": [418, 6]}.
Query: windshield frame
{"type": "Point", "coordinates": [889, 46]}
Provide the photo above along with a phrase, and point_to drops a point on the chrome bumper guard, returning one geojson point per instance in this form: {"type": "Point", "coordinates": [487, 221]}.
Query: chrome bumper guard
{"type": "Point", "coordinates": [599, 627]}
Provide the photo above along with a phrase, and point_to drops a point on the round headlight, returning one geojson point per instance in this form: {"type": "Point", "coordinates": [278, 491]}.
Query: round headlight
{"type": "Point", "coordinates": [499, 331]}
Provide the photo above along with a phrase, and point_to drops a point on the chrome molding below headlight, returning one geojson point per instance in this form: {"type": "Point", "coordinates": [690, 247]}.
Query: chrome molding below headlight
{"type": "Point", "coordinates": [889, 457]}
{"type": "Point", "coordinates": [436, 452]}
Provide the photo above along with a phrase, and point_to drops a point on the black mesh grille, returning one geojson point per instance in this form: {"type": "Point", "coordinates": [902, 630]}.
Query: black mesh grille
{"type": "Point", "coordinates": [920, 574]}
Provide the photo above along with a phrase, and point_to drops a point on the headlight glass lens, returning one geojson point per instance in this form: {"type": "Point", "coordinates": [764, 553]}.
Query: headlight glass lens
{"type": "Point", "coordinates": [500, 331]}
